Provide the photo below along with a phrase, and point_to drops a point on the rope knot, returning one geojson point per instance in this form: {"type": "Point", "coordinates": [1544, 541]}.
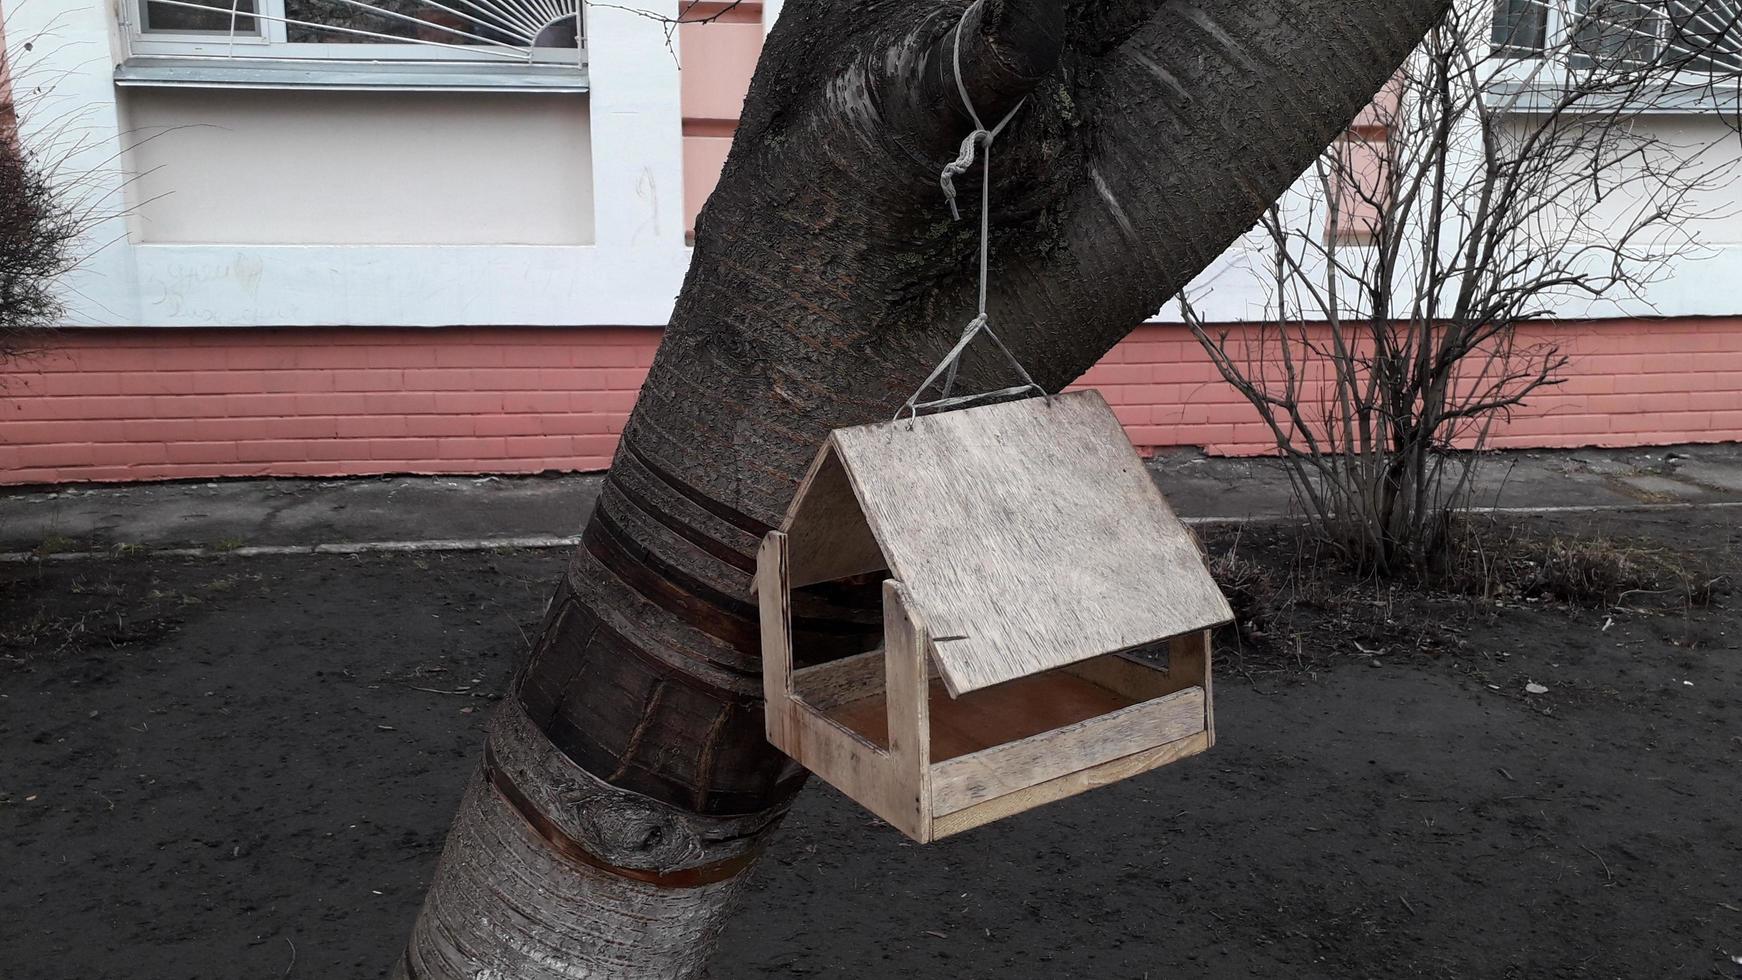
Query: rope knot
{"type": "Point", "coordinates": [971, 147]}
{"type": "Point", "coordinates": [963, 162]}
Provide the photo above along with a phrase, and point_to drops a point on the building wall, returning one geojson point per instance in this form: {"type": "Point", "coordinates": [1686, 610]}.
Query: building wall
{"type": "Point", "coordinates": [166, 404]}
{"type": "Point", "coordinates": [391, 207]}
{"type": "Point", "coordinates": [1627, 383]}
{"type": "Point", "coordinates": [7, 119]}
{"type": "Point", "coordinates": [719, 53]}
{"type": "Point", "coordinates": [263, 324]}
{"type": "Point", "coordinates": [359, 168]}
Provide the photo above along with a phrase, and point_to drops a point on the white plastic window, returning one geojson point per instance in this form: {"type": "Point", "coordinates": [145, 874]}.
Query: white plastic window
{"type": "Point", "coordinates": [367, 32]}
{"type": "Point", "coordinates": [1700, 35]}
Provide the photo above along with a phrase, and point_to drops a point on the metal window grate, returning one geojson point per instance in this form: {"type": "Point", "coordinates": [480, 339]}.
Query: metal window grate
{"type": "Point", "coordinates": [1520, 27]}
{"type": "Point", "coordinates": [1692, 35]}
{"type": "Point", "coordinates": [1706, 35]}
{"type": "Point", "coordinates": [510, 30]}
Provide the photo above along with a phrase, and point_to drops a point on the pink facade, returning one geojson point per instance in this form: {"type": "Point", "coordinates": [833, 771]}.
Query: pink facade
{"type": "Point", "coordinates": [719, 56]}
{"type": "Point", "coordinates": [8, 116]}
{"type": "Point", "coordinates": [146, 404]}
{"type": "Point", "coordinates": [1627, 383]}
{"type": "Point", "coordinates": [166, 404]}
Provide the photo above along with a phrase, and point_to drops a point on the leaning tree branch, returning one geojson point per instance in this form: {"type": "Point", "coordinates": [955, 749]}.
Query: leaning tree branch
{"type": "Point", "coordinates": [1133, 234]}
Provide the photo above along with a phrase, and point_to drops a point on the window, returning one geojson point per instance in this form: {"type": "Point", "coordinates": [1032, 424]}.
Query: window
{"type": "Point", "coordinates": [182, 20]}
{"type": "Point", "coordinates": [307, 40]}
{"type": "Point", "coordinates": [1697, 35]}
{"type": "Point", "coordinates": [1615, 33]}
{"type": "Point", "coordinates": [1708, 34]}
{"type": "Point", "coordinates": [1520, 27]}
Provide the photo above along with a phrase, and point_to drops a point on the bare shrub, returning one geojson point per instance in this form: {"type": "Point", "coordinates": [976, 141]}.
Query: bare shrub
{"type": "Point", "coordinates": [1482, 192]}
{"type": "Point", "coordinates": [39, 229]}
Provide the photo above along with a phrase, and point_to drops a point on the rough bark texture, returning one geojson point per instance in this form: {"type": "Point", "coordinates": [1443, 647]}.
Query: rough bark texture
{"type": "Point", "coordinates": [827, 281]}
{"type": "Point", "coordinates": [551, 873]}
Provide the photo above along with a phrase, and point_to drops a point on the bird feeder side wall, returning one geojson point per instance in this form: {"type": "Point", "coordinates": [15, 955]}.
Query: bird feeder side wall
{"type": "Point", "coordinates": [774, 607]}
{"type": "Point", "coordinates": [1067, 786]}
{"type": "Point", "coordinates": [890, 784]}
{"type": "Point", "coordinates": [981, 777]}
{"type": "Point", "coordinates": [1188, 663]}
{"type": "Point", "coordinates": [909, 699]}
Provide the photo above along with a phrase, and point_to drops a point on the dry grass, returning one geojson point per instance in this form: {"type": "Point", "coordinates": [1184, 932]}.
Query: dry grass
{"type": "Point", "coordinates": [52, 610]}
{"type": "Point", "coordinates": [1248, 584]}
{"type": "Point", "coordinates": [1496, 561]}
{"type": "Point", "coordinates": [1300, 607]}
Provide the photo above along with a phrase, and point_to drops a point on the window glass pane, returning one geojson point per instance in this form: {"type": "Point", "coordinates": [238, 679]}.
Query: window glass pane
{"type": "Point", "coordinates": [1706, 35]}
{"type": "Point", "coordinates": [515, 23]}
{"type": "Point", "coordinates": [201, 17]}
{"type": "Point", "coordinates": [1520, 27]}
{"type": "Point", "coordinates": [1616, 33]}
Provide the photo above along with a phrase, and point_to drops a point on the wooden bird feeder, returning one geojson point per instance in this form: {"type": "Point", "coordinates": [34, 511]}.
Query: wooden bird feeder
{"type": "Point", "coordinates": [1029, 558]}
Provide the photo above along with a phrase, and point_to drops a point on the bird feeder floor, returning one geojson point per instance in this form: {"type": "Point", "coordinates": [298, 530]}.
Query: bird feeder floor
{"type": "Point", "coordinates": [991, 716]}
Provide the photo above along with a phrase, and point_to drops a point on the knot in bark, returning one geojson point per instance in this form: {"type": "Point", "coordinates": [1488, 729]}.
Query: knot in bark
{"type": "Point", "coordinates": [631, 833]}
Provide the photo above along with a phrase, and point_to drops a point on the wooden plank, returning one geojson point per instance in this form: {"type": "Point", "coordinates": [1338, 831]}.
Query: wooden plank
{"type": "Point", "coordinates": [829, 538]}
{"type": "Point", "coordinates": [1029, 536]}
{"type": "Point", "coordinates": [982, 719]}
{"type": "Point", "coordinates": [776, 613]}
{"type": "Point", "coordinates": [907, 788]}
{"type": "Point", "coordinates": [1017, 710]}
{"type": "Point", "coordinates": [1067, 786]}
{"type": "Point", "coordinates": [773, 603]}
{"type": "Point", "coordinates": [1188, 662]}
{"type": "Point", "coordinates": [1128, 676]}
{"type": "Point", "coordinates": [839, 682]}
{"type": "Point", "coordinates": [892, 783]}
{"type": "Point", "coordinates": [862, 771]}
{"type": "Point", "coordinates": [968, 780]}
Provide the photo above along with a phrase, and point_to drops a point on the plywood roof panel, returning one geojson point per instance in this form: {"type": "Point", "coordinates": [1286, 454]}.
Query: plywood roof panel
{"type": "Point", "coordinates": [1028, 534]}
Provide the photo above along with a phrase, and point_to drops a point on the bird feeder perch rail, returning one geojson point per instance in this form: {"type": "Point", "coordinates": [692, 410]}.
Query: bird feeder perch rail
{"type": "Point", "coordinates": [1028, 553]}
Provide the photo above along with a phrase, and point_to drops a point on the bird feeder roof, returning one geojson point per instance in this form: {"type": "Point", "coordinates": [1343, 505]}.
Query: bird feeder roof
{"type": "Point", "coordinates": [1028, 535]}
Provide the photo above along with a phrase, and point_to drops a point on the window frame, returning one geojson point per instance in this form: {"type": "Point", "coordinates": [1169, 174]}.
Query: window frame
{"type": "Point", "coordinates": [1558, 31]}
{"type": "Point", "coordinates": [1511, 49]}
{"type": "Point", "coordinates": [1583, 55]}
{"type": "Point", "coordinates": [1531, 78]}
{"type": "Point", "coordinates": [219, 59]}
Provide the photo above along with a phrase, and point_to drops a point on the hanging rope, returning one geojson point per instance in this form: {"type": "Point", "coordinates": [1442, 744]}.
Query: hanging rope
{"type": "Point", "coordinates": [980, 142]}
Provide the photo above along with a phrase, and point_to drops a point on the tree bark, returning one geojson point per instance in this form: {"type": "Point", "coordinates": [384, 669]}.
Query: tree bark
{"type": "Point", "coordinates": [627, 786]}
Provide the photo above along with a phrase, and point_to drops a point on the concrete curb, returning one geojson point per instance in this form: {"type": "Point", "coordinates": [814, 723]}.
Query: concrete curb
{"type": "Point", "coordinates": [569, 541]}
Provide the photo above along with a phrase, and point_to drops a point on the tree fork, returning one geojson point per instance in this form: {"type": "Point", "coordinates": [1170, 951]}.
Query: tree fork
{"type": "Point", "coordinates": [627, 787]}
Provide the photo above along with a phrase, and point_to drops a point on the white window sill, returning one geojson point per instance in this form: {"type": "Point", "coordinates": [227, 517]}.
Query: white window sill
{"type": "Point", "coordinates": [1546, 95]}
{"type": "Point", "coordinates": [260, 73]}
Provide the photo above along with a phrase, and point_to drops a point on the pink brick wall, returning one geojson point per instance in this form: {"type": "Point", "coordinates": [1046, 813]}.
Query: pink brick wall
{"type": "Point", "coordinates": [719, 57]}
{"type": "Point", "coordinates": [1628, 383]}
{"type": "Point", "coordinates": [164, 404]}
{"type": "Point", "coordinates": [114, 405]}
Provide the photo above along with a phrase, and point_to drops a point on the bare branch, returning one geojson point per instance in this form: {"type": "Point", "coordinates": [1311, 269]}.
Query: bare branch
{"type": "Point", "coordinates": [1490, 192]}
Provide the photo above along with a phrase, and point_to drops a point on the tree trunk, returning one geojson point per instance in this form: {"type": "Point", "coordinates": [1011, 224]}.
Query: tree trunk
{"type": "Point", "coordinates": [626, 787]}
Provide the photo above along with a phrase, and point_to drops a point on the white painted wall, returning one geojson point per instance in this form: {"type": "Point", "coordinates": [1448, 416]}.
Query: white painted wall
{"type": "Point", "coordinates": [413, 255]}
{"type": "Point", "coordinates": [1698, 282]}
{"type": "Point", "coordinates": [358, 168]}
{"type": "Point", "coordinates": [1713, 142]}
{"type": "Point", "coordinates": [628, 276]}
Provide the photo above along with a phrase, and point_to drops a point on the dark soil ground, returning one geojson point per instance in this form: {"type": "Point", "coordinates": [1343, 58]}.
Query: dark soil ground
{"type": "Point", "coordinates": [243, 768]}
